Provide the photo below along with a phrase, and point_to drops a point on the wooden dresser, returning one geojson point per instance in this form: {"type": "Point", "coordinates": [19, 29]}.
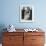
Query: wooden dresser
{"type": "Point", "coordinates": [23, 38]}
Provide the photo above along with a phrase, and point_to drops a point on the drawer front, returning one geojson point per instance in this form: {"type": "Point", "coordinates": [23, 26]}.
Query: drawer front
{"type": "Point", "coordinates": [12, 44]}
{"type": "Point", "coordinates": [13, 33]}
{"type": "Point", "coordinates": [37, 39]}
{"type": "Point", "coordinates": [12, 39]}
{"type": "Point", "coordinates": [37, 45]}
{"type": "Point", "coordinates": [34, 33]}
{"type": "Point", "coordinates": [33, 40]}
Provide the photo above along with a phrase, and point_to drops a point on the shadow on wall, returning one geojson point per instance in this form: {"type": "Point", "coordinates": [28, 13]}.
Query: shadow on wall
{"type": "Point", "coordinates": [2, 26]}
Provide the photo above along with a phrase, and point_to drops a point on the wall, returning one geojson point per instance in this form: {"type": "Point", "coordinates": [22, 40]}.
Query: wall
{"type": "Point", "coordinates": [10, 13]}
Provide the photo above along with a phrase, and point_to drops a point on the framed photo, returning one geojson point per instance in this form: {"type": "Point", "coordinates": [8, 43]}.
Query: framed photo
{"type": "Point", "coordinates": [26, 13]}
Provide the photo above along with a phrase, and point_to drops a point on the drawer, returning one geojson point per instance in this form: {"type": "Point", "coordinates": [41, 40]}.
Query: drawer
{"type": "Point", "coordinates": [34, 33]}
{"type": "Point", "coordinates": [37, 39]}
{"type": "Point", "coordinates": [8, 45]}
{"type": "Point", "coordinates": [12, 39]}
{"type": "Point", "coordinates": [37, 44]}
{"type": "Point", "coordinates": [13, 44]}
{"type": "Point", "coordinates": [13, 33]}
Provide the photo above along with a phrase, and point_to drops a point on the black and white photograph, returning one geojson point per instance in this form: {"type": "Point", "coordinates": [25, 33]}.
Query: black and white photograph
{"type": "Point", "coordinates": [26, 13]}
